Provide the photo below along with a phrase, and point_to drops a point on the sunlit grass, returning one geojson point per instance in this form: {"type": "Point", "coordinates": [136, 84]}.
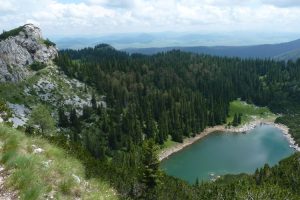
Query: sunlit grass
{"type": "Point", "coordinates": [249, 112]}
{"type": "Point", "coordinates": [167, 144]}
{"type": "Point", "coordinates": [51, 172]}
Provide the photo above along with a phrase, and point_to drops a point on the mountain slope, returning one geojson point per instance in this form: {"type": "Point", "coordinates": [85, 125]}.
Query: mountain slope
{"type": "Point", "coordinates": [37, 169]}
{"type": "Point", "coordinates": [31, 167]}
{"type": "Point", "coordinates": [290, 55]}
{"type": "Point", "coordinates": [256, 51]}
{"type": "Point", "coordinates": [48, 86]}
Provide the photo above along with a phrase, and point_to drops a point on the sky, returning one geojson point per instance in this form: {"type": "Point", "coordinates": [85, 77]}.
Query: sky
{"type": "Point", "coordinates": [99, 17]}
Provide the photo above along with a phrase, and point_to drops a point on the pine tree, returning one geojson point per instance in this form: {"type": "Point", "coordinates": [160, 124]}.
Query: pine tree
{"type": "Point", "coordinates": [239, 119]}
{"type": "Point", "coordinates": [151, 174]}
{"type": "Point", "coordinates": [86, 112]}
{"type": "Point", "coordinates": [257, 177]}
{"type": "Point", "coordinates": [235, 120]}
{"type": "Point", "coordinates": [41, 117]}
{"type": "Point", "coordinates": [75, 125]}
{"type": "Point", "coordinates": [73, 118]}
{"type": "Point", "coordinates": [63, 120]}
{"type": "Point", "coordinates": [197, 182]}
{"type": "Point", "coordinates": [112, 140]}
{"type": "Point", "coordinates": [94, 102]}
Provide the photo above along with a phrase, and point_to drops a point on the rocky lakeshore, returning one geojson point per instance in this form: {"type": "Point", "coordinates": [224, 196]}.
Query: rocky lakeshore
{"type": "Point", "coordinates": [188, 141]}
{"type": "Point", "coordinates": [164, 154]}
{"type": "Point", "coordinates": [288, 136]}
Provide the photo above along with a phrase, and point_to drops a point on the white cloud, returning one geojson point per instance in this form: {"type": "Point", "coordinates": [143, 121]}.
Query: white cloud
{"type": "Point", "coordinates": [113, 3]}
{"type": "Point", "coordinates": [283, 3]}
{"type": "Point", "coordinates": [6, 6]}
{"type": "Point", "coordinates": [94, 17]}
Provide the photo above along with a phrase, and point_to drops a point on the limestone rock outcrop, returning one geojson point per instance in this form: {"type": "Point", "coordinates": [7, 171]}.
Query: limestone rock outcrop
{"type": "Point", "coordinates": [20, 48]}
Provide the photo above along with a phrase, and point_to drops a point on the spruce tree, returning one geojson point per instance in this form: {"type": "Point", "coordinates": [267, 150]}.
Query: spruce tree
{"type": "Point", "coordinates": [75, 125]}
{"type": "Point", "coordinates": [63, 120]}
{"type": "Point", "coordinates": [197, 182]}
{"type": "Point", "coordinates": [41, 117]}
{"type": "Point", "coordinates": [150, 174]}
{"type": "Point", "coordinates": [239, 119]}
{"type": "Point", "coordinates": [94, 102]}
{"type": "Point", "coordinates": [235, 120]}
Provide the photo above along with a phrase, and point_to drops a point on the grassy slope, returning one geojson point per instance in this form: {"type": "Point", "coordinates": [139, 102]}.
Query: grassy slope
{"type": "Point", "coordinates": [249, 111]}
{"type": "Point", "coordinates": [49, 173]}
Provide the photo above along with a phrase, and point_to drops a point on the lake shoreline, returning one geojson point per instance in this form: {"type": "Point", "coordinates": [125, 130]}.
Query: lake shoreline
{"type": "Point", "coordinates": [164, 154]}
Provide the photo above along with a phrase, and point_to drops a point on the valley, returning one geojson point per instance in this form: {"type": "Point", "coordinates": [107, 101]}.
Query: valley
{"type": "Point", "coordinates": [101, 120]}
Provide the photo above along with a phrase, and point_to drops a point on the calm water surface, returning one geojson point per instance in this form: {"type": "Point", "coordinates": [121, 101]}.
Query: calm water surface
{"type": "Point", "coordinates": [229, 153]}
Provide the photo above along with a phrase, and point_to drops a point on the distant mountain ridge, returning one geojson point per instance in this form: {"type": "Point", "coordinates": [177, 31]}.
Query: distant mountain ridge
{"type": "Point", "coordinates": [281, 51]}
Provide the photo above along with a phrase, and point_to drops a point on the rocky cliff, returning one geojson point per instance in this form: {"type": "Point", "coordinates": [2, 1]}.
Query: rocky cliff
{"type": "Point", "coordinates": [21, 47]}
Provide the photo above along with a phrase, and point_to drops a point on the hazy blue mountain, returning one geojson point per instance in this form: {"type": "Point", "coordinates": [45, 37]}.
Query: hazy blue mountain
{"type": "Point", "coordinates": [173, 39]}
{"type": "Point", "coordinates": [290, 55]}
{"type": "Point", "coordinates": [244, 45]}
{"type": "Point", "coordinates": [286, 51]}
{"type": "Point", "coordinates": [116, 40]}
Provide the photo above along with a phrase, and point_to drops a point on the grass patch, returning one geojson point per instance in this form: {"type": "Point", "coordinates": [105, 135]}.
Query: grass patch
{"type": "Point", "coordinates": [167, 144]}
{"type": "Point", "coordinates": [249, 112]}
{"type": "Point", "coordinates": [66, 186]}
{"type": "Point", "coordinates": [50, 173]}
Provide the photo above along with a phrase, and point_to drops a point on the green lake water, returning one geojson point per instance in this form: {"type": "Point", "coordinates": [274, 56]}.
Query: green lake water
{"type": "Point", "coordinates": [230, 153]}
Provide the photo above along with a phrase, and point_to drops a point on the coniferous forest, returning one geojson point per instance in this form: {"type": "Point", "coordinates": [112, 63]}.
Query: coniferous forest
{"type": "Point", "coordinates": [149, 99]}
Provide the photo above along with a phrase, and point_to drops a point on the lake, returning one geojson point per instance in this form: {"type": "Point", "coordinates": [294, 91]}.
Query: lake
{"type": "Point", "coordinates": [228, 153]}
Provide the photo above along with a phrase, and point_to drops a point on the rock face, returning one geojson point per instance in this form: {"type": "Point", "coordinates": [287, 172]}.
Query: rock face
{"type": "Point", "coordinates": [20, 50]}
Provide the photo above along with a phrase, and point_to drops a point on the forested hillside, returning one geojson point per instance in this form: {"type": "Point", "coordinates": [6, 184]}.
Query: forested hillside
{"type": "Point", "coordinates": [149, 98]}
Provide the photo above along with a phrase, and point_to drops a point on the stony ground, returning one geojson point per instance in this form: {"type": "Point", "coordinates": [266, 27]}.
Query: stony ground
{"type": "Point", "coordinates": [6, 194]}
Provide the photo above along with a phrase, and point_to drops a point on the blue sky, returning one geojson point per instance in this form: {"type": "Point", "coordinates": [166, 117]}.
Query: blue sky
{"type": "Point", "coordinates": [100, 17]}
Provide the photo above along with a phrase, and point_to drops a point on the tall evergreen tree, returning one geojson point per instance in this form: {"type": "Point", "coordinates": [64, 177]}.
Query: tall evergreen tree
{"type": "Point", "coordinates": [94, 102]}
{"type": "Point", "coordinates": [239, 118]}
{"type": "Point", "coordinates": [235, 120]}
{"type": "Point", "coordinates": [75, 125]}
{"type": "Point", "coordinates": [63, 120]}
{"type": "Point", "coordinates": [41, 117]}
{"type": "Point", "coordinates": [150, 174]}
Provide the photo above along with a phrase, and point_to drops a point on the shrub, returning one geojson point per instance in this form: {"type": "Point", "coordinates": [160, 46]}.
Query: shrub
{"type": "Point", "coordinates": [49, 43]}
{"type": "Point", "coordinates": [66, 186]}
{"type": "Point", "coordinates": [36, 66]}
{"type": "Point", "coordinates": [5, 112]}
{"type": "Point", "coordinates": [13, 32]}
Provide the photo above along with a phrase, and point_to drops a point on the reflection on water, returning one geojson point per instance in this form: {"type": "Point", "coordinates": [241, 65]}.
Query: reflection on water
{"type": "Point", "coordinates": [224, 153]}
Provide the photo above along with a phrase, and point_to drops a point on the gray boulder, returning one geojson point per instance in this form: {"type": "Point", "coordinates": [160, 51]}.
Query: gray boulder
{"type": "Point", "coordinates": [20, 50]}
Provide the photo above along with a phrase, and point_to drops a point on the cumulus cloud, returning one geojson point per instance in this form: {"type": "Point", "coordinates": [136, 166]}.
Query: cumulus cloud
{"type": "Point", "coordinates": [94, 17]}
{"type": "Point", "coordinates": [6, 6]}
